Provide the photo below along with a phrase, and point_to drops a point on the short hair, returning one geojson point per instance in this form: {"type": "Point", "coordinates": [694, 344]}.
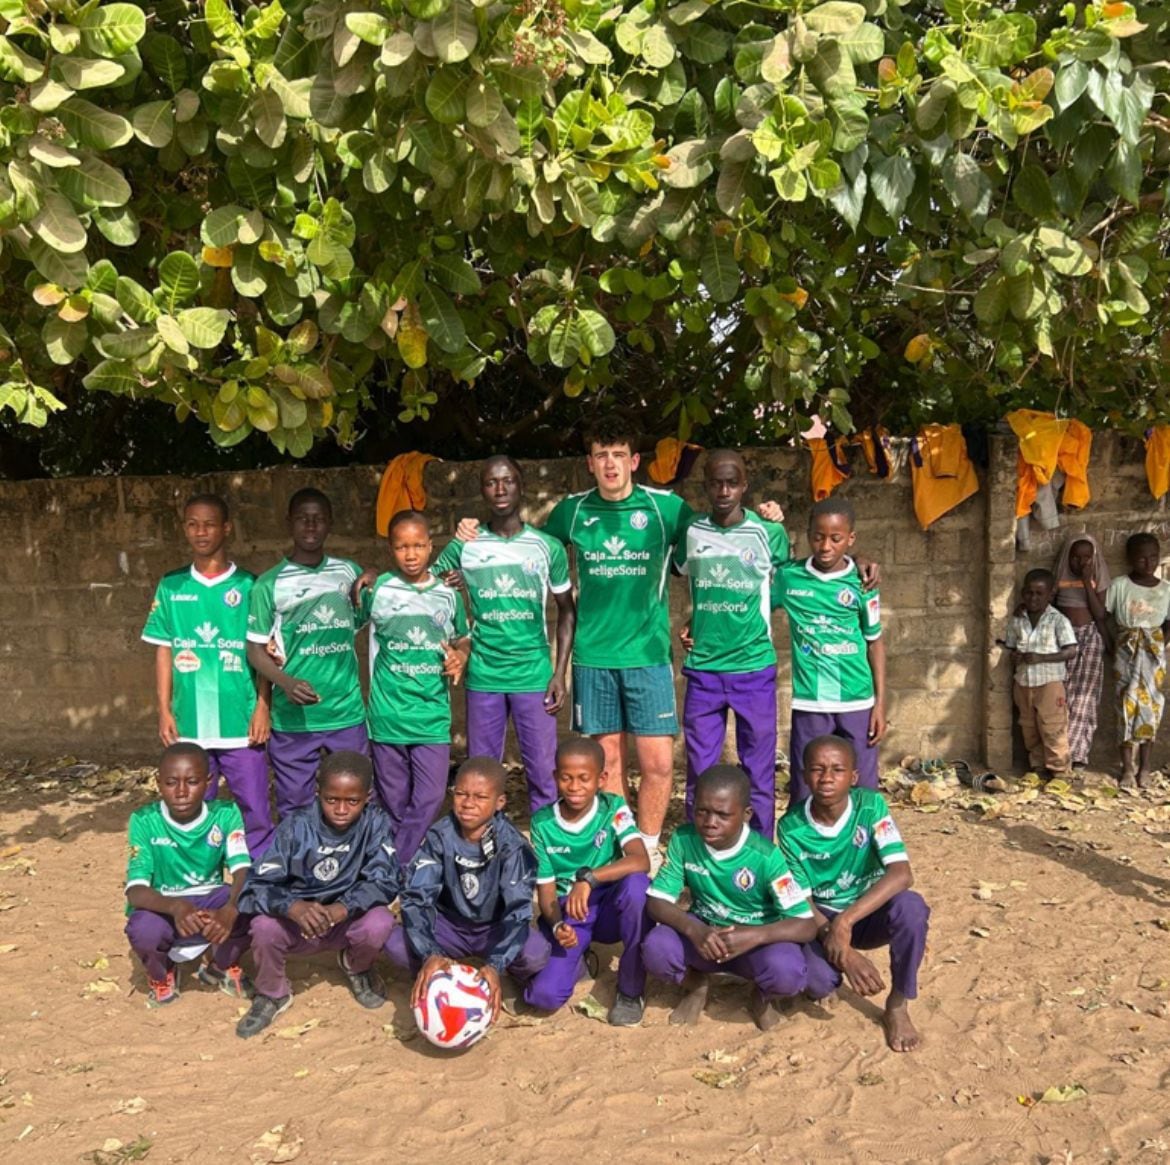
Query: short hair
{"type": "Point", "coordinates": [405, 516]}
{"type": "Point", "coordinates": [725, 455]}
{"type": "Point", "coordinates": [310, 494]}
{"type": "Point", "coordinates": [209, 500]}
{"type": "Point", "coordinates": [1141, 538]}
{"type": "Point", "coordinates": [584, 746]}
{"type": "Point", "coordinates": [484, 766]}
{"type": "Point", "coordinates": [828, 740]}
{"type": "Point", "coordinates": [611, 430]}
{"type": "Point", "coordinates": [1041, 575]}
{"type": "Point", "coordinates": [186, 748]}
{"type": "Point", "coordinates": [346, 762]}
{"type": "Point", "coordinates": [833, 505]}
{"type": "Point", "coordinates": [502, 459]}
{"type": "Point", "coordinates": [725, 778]}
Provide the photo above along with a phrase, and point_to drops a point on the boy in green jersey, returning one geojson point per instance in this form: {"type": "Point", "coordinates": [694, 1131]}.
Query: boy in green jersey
{"type": "Point", "coordinates": [509, 572]}
{"type": "Point", "coordinates": [418, 641]}
{"type": "Point", "coordinates": [843, 842]}
{"type": "Point", "coordinates": [748, 913]}
{"type": "Point", "coordinates": [591, 867]}
{"type": "Point", "coordinates": [838, 658]}
{"type": "Point", "coordinates": [207, 693]}
{"type": "Point", "coordinates": [729, 556]}
{"type": "Point", "coordinates": [303, 605]}
{"type": "Point", "coordinates": [176, 899]}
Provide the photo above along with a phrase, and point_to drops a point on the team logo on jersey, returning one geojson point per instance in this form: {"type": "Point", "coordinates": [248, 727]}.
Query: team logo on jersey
{"type": "Point", "coordinates": [846, 597]}
{"type": "Point", "coordinates": [470, 884]}
{"type": "Point", "coordinates": [860, 836]}
{"type": "Point", "coordinates": [417, 636]}
{"type": "Point", "coordinates": [187, 661]}
{"type": "Point", "coordinates": [719, 573]}
{"type": "Point", "coordinates": [886, 832]}
{"type": "Point", "coordinates": [322, 613]}
{"type": "Point", "coordinates": [326, 869]}
{"type": "Point", "coordinates": [745, 879]}
{"type": "Point", "coordinates": [532, 566]}
{"type": "Point", "coordinates": [439, 620]}
{"type": "Point", "coordinates": [232, 598]}
{"type": "Point", "coordinates": [214, 836]}
{"type": "Point", "coordinates": [623, 819]}
{"type": "Point", "coordinates": [747, 557]}
{"type": "Point", "coordinates": [588, 521]}
{"type": "Point", "coordinates": [504, 582]}
{"type": "Point", "coordinates": [207, 632]}
{"type": "Point", "coordinates": [787, 890]}
{"type": "Point", "coordinates": [639, 519]}
{"type": "Point", "coordinates": [873, 606]}
{"type": "Point", "coordinates": [236, 838]}
{"type": "Point", "coordinates": [599, 839]}
{"type": "Point", "coordinates": [615, 545]}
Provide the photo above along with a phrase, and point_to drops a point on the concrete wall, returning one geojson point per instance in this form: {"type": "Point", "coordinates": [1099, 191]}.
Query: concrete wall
{"type": "Point", "coordinates": [83, 556]}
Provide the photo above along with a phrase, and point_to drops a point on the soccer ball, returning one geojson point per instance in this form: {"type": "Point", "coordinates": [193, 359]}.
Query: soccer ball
{"type": "Point", "coordinates": [456, 1007]}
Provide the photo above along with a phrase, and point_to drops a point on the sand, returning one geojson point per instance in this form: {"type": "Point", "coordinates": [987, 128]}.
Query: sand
{"type": "Point", "coordinates": [1048, 966]}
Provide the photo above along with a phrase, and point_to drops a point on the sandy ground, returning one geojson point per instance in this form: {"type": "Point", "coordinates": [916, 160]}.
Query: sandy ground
{"type": "Point", "coordinates": [1048, 966]}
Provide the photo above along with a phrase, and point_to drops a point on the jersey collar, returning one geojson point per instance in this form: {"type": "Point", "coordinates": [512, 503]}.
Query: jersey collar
{"type": "Point", "coordinates": [836, 828]}
{"type": "Point", "coordinates": [725, 855]}
{"type": "Point", "coordinates": [191, 826]}
{"type": "Point", "coordinates": [576, 826]}
{"type": "Point", "coordinates": [846, 567]}
{"type": "Point", "coordinates": [215, 580]}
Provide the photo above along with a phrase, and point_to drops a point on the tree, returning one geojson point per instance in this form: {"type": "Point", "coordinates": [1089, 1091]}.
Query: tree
{"type": "Point", "coordinates": [730, 214]}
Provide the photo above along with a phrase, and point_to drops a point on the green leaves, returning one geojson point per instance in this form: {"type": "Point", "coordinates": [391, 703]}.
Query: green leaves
{"type": "Point", "coordinates": [178, 281]}
{"type": "Point", "coordinates": [892, 180]}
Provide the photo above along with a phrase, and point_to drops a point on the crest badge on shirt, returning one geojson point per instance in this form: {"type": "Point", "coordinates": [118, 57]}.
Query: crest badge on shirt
{"type": "Point", "coordinates": [214, 836]}
{"type": "Point", "coordinates": [531, 566]}
{"type": "Point", "coordinates": [599, 839]}
{"type": "Point", "coordinates": [232, 598]}
{"type": "Point", "coordinates": [326, 869]}
{"type": "Point", "coordinates": [747, 556]}
{"type": "Point", "coordinates": [744, 878]}
{"type": "Point", "coordinates": [470, 884]}
{"type": "Point", "coordinates": [639, 519]}
{"type": "Point", "coordinates": [846, 597]}
{"type": "Point", "coordinates": [860, 836]}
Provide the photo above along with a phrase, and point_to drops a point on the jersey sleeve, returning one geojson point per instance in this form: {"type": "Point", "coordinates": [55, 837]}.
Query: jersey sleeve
{"type": "Point", "coordinates": [236, 856]}
{"type": "Point", "coordinates": [668, 882]}
{"type": "Point", "coordinates": [884, 835]}
{"type": "Point", "coordinates": [157, 629]}
{"type": "Point", "coordinates": [360, 618]}
{"type": "Point", "coordinates": [558, 568]}
{"type": "Point", "coordinates": [262, 610]}
{"type": "Point", "coordinates": [459, 618]}
{"type": "Point", "coordinates": [140, 863]}
{"type": "Point", "coordinates": [778, 544]}
{"type": "Point", "coordinates": [450, 557]}
{"type": "Point", "coordinates": [679, 558]}
{"type": "Point", "coordinates": [790, 894]}
{"type": "Point", "coordinates": [560, 521]}
{"type": "Point", "coordinates": [544, 867]}
{"type": "Point", "coordinates": [778, 588]}
{"type": "Point", "coordinates": [622, 822]}
{"type": "Point", "coordinates": [871, 614]}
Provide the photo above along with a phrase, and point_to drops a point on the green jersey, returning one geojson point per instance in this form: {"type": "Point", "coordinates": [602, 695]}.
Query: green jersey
{"type": "Point", "coordinates": [204, 621]}
{"type": "Point", "coordinates": [830, 619]}
{"type": "Point", "coordinates": [564, 847]}
{"type": "Point", "coordinates": [185, 861]}
{"type": "Point", "coordinates": [842, 861]}
{"type": "Point", "coordinates": [623, 560]}
{"type": "Point", "coordinates": [409, 702]}
{"type": "Point", "coordinates": [747, 885]}
{"type": "Point", "coordinates": [306, 609]}
{"type": "Point", "coordinates": [730, 570]}
{"type": "Point", "coordinates": [508, 582]}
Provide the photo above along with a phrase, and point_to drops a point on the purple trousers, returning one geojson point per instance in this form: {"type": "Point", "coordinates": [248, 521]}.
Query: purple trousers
{"type": "Point", "coordinates": [617, 913]}
{"type": "Point", "coordinates": [777, 969]}
{"type": "Point", "coordinates": [296, 755]}
{"type": "Point", "coordinates": [410, 781]}
{"type": "Point", "coordinates": [901, 925]}
{"type": "Point", "coordinates": [465, 940]}
{"type": "Point", "coordinates": [536, 734]}
{"type": "Point", "coordinates": [274, 939]}
{"type": "Point", "coordinates": [853, 726]}
{"type": "Point", "coordinates": [246, 773]}
{"type": "Point", "coordinates": [152, 935]}
{"type": "Point", "coordinates": [752, 697]}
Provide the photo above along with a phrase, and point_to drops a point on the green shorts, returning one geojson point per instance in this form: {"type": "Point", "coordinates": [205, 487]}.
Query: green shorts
{"type": "Point", "coordinates": [638, 700]}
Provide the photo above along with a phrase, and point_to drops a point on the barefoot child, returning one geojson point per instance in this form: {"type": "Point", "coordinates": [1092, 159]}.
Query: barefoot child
{"type": "Point", "coordinates": [468, 892]}
{"type": "Point", "coordinates": [748, 914]}
{"type": "Point", "coordinates": [1140, 605]}
{"type": "Point", "coordinates": [175, 893]}
{"type": "Point", "coordinates": [418, 641]}
{"type": "Point", "coordinates": [302, 604]}
{"type": "Point", "coordinates": [324, 885]}
{"type": "Point", "coordinates": [843, 843]}
{"type": "Point", "coordinates": [1042, 640]}
{"type": "Point", "coordinates": [207, 693]}
{"type": "Point", "coordinates": [591, 867]}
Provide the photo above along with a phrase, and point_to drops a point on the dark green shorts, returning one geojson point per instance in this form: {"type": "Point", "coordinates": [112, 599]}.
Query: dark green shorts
{"type": "Point", "coordinates": [638, 700]}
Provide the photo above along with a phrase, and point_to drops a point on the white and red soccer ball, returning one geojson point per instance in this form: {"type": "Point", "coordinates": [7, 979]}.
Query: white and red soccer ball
{"type": "Point", "coordinates": [456, 1007]}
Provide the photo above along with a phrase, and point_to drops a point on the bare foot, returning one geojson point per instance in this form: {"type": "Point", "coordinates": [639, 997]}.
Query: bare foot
{"type": "Point", "coordinates": [766, 1013]}
{"type": "Point", "coordinates": [901, 1034]}
{"type": "Point", "coordinates": [690, 1007]}
{"type": "Point", "coordinates": [828, 1002]}
{"type": "Point", "coordinates": [1144, 778]}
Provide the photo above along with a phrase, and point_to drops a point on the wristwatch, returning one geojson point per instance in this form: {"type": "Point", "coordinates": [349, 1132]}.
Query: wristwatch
{"type": "Point", "coordinates": [586, 875]}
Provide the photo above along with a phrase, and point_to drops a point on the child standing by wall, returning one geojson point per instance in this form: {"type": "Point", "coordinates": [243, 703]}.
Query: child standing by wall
{"type": "Point", "coordinates": [1140, 605]}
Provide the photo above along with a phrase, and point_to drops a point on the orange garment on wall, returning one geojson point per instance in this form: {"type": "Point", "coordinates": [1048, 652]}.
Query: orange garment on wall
{"type": "Point", "coordinates": [830, 467]}
{"type": "Point", "coordinates": [401, 488]}
{"type": "Point", "coordinates": [942, 473]}
{"type": "Point", "coordinates": [1158, 460]}
{"type": "Point", "coordinates": [673, 460]}
{"type": "Point", "coordinates": [1046, 445]}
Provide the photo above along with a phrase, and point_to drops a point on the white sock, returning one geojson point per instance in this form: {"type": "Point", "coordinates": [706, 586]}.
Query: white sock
{"type": "Point", "coordinates": [651, 841]}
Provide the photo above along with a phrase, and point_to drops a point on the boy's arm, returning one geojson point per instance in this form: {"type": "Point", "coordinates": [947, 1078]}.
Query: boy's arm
{"type": "Point", "coordinates": [267, 889]}
{"type": "Point", "coordinates": [380, 881]}
{"type": "Point", "coordinates": [554, 697]}
{"type": "Point", "coordinates": [179, 909]}
{"type": "Point", "coordinates": [260, 726]}
{"type": "Point", "coordinates": [517, 877]}
{"type": "Point", "coordinates": [218, 923]}
{"type": "Point", "coordinates": [420, 894]}
{"type": "Point", "coordinates": [298, 691]}
{"type": "Point", "coordinates": [164, 686]}
{"type": "Point", "coordinates": [875, 653]}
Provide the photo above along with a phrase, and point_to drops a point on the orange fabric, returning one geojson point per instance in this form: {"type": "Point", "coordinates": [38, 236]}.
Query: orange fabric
{"type": "Point", "coordinates": [942, 472]}
{"type": "Point", "coordinates": [1073, 460]}
{"type": "Point", "coordinates": [1158, 461]}
{"type": "Point", "coordinates": [667, 454]}
{"type": "Point", "coordinates": [1046, 445]}
{"type": "Point", "coordinates": [875, 445]}
{"type": "Point", "coordinates": [401, 488]}
{"type": "Point", "coordinates": [829, 466]}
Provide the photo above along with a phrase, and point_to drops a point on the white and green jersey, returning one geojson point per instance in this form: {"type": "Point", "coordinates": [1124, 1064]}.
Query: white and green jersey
{"type": "Point", "coordinates": [730, 570]}
{"type": "Point", "coordinates": [204, 621]}
{"type": "Point", "coordinates": [747, 885]}
{"type": "Point", "coordinates": [185, 861]}
{"type": "Point", "coordinates": [409, 701]}
{"type": "Point", "coordinates": [564, 847]}
{"type": "Point", "coordinates": [508, 582]}
{"type": "Point", "coordinates": [307, 611]}
{"type": "Point", "coordinates": [623, 562]}
{"type": "Point", "coordinates": [840, 862]}
{"type": "Point", "coordinates": [830, 620]}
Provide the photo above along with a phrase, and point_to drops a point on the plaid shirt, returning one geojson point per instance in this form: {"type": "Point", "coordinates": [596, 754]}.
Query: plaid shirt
{"type": "Point", "coordinates": [1052, 632]}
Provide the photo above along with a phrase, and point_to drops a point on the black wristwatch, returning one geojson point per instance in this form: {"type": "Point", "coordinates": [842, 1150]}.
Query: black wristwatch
{"type": "Point", "coordinates": [586, 875]}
